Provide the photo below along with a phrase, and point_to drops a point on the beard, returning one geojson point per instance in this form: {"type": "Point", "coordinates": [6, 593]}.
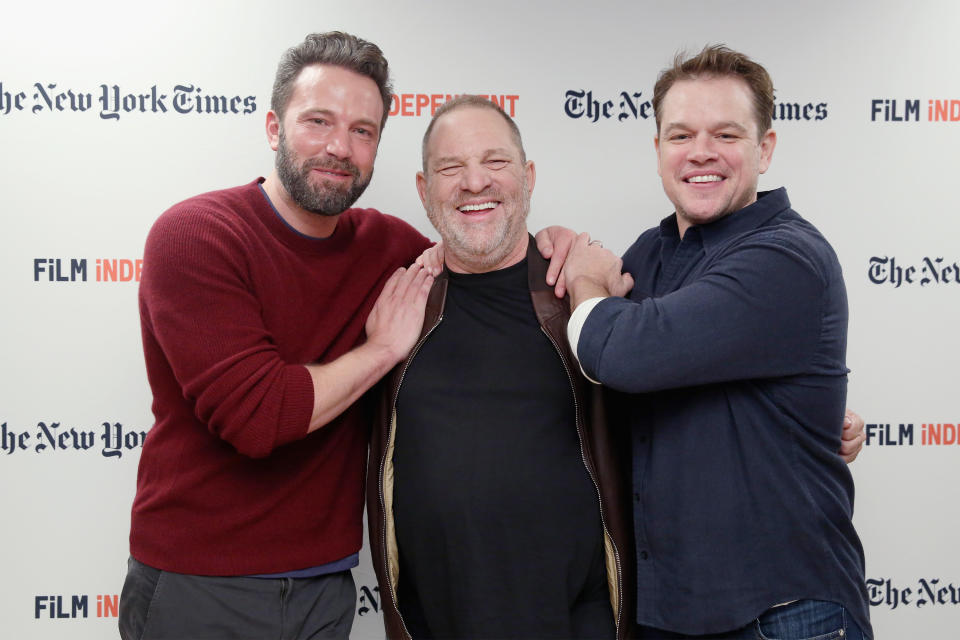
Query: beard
{"type": "Point", "coordinates": [324, 199]}
{"type": "Point", "coordinates": [483, 246]}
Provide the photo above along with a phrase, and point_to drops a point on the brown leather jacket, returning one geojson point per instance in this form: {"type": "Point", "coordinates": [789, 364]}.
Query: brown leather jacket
{"type": "Point", "coordinates": [601, 456]}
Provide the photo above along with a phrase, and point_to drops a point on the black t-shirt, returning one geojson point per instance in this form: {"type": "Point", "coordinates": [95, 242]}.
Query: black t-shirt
{"type": "Point", "coordinates": [497, 520]}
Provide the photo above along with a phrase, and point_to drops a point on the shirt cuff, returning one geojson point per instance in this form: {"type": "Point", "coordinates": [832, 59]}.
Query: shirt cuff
{"type": "Point", "coordinates": [575, 325]}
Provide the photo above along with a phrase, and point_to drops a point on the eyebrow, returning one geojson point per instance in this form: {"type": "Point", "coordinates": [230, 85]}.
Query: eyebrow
{"type": "Point", "coordinates": [370, 123]}
{"type": "Point", "coordinates": [446, 160]}
{"type": "Point", "coordinates": [316, 112]}
{"type": "Point", "coordinates": [486, 154]}
{"type": "Point", "coordinates": [729, 124]}
{"type": "Point", "coordinates": [327, 112]}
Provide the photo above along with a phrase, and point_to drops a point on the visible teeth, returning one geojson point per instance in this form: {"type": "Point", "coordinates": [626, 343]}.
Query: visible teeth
{"type": "Point", "coordinates": [478, 207]}
{"type": "Point", "coordinates": [713, 178]}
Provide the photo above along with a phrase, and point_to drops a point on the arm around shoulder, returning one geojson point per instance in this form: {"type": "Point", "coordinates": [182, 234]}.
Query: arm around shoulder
{"type": "Point", "coordinates": [739, 320]}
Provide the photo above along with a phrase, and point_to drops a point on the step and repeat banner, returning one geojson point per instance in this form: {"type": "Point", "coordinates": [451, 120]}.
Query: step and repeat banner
{"type": "Point", "coordinates": [111, 112]}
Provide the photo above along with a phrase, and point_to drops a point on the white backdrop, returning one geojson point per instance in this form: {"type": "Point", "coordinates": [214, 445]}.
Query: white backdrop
{"type": "Point", "coordinates": [83, 180]}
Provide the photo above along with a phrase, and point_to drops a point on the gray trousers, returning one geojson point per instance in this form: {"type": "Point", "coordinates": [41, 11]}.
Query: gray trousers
{"type": "Point", "coordinates": [160, 605]}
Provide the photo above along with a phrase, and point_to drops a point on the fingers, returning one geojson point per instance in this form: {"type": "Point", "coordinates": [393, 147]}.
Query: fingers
{"type": "Point", "coordinates": [558, 256]}
{"type": "Point", "coordinates": [423, 284]}
{"type": "Point", "coordinates": [402, 282]}
{"type": "Point", "coordinates": [435, 266]}
{"type": "Point", "coordinates": [849, 451]}
{"type": "Point", "coordinates": [395, 321]}
{"type": "Point", "coordinates": [410, 281]}
{"type": "Point", "coordinates": [579, 246]}
{"type": "Point", "coordinates": [554, 269]}
{"type": "Point", "coordinates": [544, 244]}
{"type": "Point", "coordinates": [588, 258]}
{"type": "Point", "coordinates": [852, 424]}
{"type": "Point", "coordinates": [554, 243]}
{"type": "Point", "coordinates": [622, 285]}
{"type": "Point", "coordinates": [432, 259]}
{"type": "Point", "coordinates": [560, 289]}
{"type": "Point", "coordinates": [390, 287]}
{"type": "Point", "coordinates": [420, 282]}
{"type": "Point", "coordinates": [853, 437]}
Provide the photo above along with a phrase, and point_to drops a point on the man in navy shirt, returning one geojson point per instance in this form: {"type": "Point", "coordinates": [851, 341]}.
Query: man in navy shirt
{"type": "Point", "coordinates": [728, 363]}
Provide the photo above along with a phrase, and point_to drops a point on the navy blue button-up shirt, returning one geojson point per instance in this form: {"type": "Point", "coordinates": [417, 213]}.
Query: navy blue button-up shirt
{"type": "Point", "coordinates": [729, 359]}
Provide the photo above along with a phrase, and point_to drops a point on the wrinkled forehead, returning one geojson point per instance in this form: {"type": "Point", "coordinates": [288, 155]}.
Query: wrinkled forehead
{"type": "Point", "coordinates": [470, 132]}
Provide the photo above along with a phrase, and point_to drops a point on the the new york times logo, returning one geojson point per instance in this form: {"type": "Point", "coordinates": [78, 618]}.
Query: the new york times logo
{"type": "Point", "coordinates": [924, 592]}
{"type": "Point", "coordinates": [890, 271]}
{"type": "Point", "coordinates": [109, 101]}
{"type": "Point", "coordinates": [111, 439]}
{"type": "Point", "coordinates": [368, 600]}
{"type": "Point", "coordinates": [75, 606]}
{"type": "Point", "coordinates": [629, 105]}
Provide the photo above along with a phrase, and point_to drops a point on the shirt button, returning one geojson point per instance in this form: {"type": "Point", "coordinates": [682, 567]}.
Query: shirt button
{"type": "Point", "coordinates": [644, 555]}
{"type": "Point", "coordinates": [636, 497]}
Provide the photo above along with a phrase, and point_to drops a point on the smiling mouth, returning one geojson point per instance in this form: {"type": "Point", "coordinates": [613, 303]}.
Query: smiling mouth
{"type": "Point", "coordinates": [333, 173]}
{"type": "Point", "coordinates": [703, 179]}
{"type": "Point", "coordinates": [480, 207]}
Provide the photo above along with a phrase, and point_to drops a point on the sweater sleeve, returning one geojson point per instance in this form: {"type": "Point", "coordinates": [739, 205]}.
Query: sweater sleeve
{"type": "Point", "coordinates": [199, 311]}
{"type": "Point", "coordinates": [758, 312]}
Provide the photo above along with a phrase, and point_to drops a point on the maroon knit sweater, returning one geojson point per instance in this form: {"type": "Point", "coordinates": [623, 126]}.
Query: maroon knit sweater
{"type": "Point", "coordinates": [233, 303]}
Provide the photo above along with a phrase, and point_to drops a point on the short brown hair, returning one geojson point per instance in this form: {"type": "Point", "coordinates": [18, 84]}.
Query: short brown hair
{"type": "Point", "coordinates": [337, 49]}
{"type": "Point", "coordinates": [480, 102]}
{"type": "Point", "coordinates": [717, 61]}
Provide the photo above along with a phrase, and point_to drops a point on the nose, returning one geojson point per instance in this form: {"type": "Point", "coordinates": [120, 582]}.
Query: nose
{"type": "Point", "coordinates": [475, 178]}
{"type": "Point", "coordinates": [702, 149]}
{"type": "Point", "coordinates": [338, 143]}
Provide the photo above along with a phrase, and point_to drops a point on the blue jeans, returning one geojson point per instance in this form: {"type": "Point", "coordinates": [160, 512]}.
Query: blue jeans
{"type": "Point", "coordinates": [800, 620]}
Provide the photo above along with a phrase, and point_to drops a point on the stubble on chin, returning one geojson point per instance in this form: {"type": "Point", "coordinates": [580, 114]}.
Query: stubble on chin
{"type": "Point", "coordinates": [324, 199]}
{"type": "Point", "coordinates": [479, 246]}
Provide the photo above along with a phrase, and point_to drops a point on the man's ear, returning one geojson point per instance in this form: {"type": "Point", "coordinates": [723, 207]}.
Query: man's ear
{"type": "Point", "coordinates": [422, 187]}
{"type": "Point", "coordinates": [531, 170]}
{"type": "Point", "coordinates": [656, 148]}
{"type": "Point", "coordinates": [273, 129]}
{"type": "Point", "coordinates": [767, 144]}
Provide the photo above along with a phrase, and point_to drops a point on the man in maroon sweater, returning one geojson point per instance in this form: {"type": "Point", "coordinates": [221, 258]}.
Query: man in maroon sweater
{"type": "Point", "coordinates": [267, 310]}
